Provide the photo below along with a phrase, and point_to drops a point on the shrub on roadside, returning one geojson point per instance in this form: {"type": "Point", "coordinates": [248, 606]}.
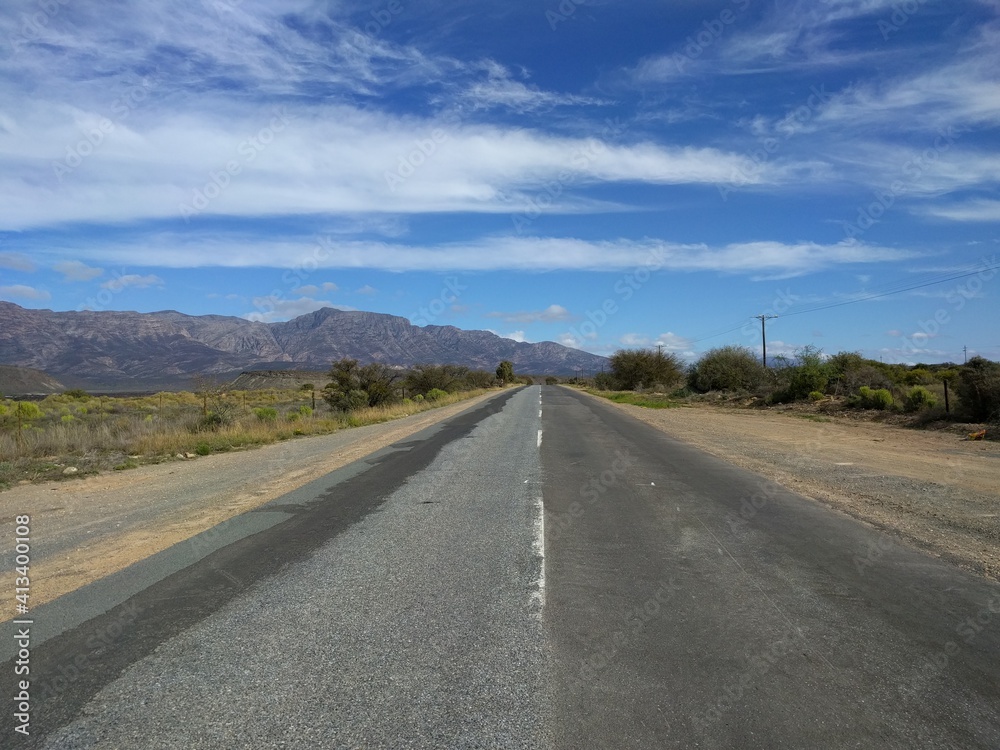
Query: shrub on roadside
{"type": "Point", "coordinates": [435, 393]}
{"type": "Point", "coordinates": [266, 413]}
{"type": "Point", "coordinates": [978, 389]}
{"type": "Point", "coordinates": [919, 398]}
{"type": "Point", "coordinates": [816, 395]}
{"type": "Point", "coordinates": [870, 398]}
{"type": "Point", "coordinates": [727, 368]}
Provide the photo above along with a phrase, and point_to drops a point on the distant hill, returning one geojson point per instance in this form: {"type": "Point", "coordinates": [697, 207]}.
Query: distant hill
{"type": "Point", "coordinates": [156, 350]}
{"type": "Point", "coordinates": [22, 381]}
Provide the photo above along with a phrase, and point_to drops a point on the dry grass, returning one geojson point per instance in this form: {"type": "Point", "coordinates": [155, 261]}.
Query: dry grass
{"type": "Point", "coordinates": [97, 434]}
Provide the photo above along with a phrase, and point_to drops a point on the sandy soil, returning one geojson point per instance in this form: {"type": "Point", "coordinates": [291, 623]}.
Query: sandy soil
{"type": "Point", "coordinates": [83, 530]}
{"type": "Point", "coordinates": [932, 490]}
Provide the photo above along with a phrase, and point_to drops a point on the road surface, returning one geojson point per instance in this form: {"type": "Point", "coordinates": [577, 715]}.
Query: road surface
{"type": "Point", "coordinates": [541, 571]}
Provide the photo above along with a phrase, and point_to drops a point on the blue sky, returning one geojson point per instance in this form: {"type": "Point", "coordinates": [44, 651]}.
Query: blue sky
{"type": "Point", "coordinates": [602, 174]}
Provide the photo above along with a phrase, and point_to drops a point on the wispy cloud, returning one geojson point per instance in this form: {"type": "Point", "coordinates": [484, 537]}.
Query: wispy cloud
{"type": "Point", "coordinates": [271, 308]}
{"type": "Point", "coordinates": [119, 283]}
{"type": "Point", "coordinates": [772, 258]}
{"type": "Point", "coordinates": [22, 291]}
{"type": "Point", "coordinates": [549, 314]}
{"type": "Point", "coordinates": [17, 262]}
{"type": "Point", "coordinates": [74, 270]}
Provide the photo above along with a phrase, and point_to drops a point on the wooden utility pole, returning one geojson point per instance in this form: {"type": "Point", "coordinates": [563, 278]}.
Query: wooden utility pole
{"type": "Point", "coordinates": [763, 337]}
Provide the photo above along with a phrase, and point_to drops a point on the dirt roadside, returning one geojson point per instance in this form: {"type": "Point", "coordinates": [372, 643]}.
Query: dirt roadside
{"type": "Point", "coordinates": [83, 530]}
{"type": "Point", "coordinates": [930, 490]}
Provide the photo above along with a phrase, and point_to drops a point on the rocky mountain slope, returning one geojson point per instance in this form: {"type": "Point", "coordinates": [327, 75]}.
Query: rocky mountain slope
{"type": "Point", "coordinates": [129, 349]}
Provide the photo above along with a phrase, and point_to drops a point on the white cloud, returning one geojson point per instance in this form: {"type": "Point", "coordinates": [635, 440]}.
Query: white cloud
{"type": "Point", "coordinates": [272, 308]}
{"type": "Point", "coordinates": [21, 291]}
{"type": "Point", "coordinates": [335, 160]}
{"type": "Point", "coordinates": [17, 262]}
{"type": "Point", "coordinates": [132, 280]}
{"type": "Point", "coordinates": [366, 289]}
{"type": "Point", "coordinates": [515, 335]}
{"type": "Point", "coordinates": [550, 314]}
{"type": "Point", "coordinates": [311, 289]}
{"type": "Point", "coordinates": [978, 210]}
{"type": "Point", "coordinates": [674, 343]}
{"type": "Point", "coordinates": [770, 258]}
{"type": "Point", "coordinates": [74, 270]}
{"type": "Point", "coordinates": [568, 339]}
{"type": "Point", "coordinates": [634, 340]}
{"type": "Point", "coordinates": [499, 90]}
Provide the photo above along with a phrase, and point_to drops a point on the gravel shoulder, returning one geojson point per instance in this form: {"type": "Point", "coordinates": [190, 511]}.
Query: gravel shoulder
{"type": "Point", "coordinates": [929, 490]}
{"type": "Point", "coordinates": [84, 530]}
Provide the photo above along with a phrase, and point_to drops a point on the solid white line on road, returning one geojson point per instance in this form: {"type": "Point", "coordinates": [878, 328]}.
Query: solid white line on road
{"type": "Point", "coordinates": [539, 412]}
{"type": "Point", "coordinates": [539, 545]}
{"type": "Point", "coordinates": [539, 438]}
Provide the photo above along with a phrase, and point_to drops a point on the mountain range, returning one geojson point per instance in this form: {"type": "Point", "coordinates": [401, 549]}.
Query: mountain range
{"type": "Point", "coordinates": [162, 349]}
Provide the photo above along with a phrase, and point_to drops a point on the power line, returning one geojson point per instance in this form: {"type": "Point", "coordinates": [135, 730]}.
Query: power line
{"type": "Point", "coordinates": [892, 289]}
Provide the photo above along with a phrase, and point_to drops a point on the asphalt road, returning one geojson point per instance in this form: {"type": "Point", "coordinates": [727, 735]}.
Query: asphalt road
{"type": "Point", "coordinates": [423, 598]}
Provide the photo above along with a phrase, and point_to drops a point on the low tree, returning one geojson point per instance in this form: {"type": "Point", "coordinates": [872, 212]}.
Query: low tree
{"type": "Point", "coordinates": [727, 368]}
{"type": "Point", "coordinates": [347, 377]}
{"type": "Point", "coordinates": [635, 368]}
{"type": "Point", "coordinates": [480, 379]}
{"type": "Point", "coordinates": [505, 372]}
{"type": "Point", "coordinates": [810, 372]}
{"type": "Point", "coordinates": [425, 378]}
{"type": "Point", "coordinates": [978, 389]}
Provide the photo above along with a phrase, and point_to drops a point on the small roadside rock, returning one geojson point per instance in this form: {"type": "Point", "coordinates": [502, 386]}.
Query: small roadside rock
{"type": "Point", "coordinates": [70, 470]}
{"type": "Point", "coordinates": [179, 455]}
{"type": "Point", "coordinates": [189, 455]}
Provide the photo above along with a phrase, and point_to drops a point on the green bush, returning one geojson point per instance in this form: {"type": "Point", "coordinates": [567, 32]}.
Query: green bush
{"type": "Point", "coordinates": [919, 398]}
{"type": "Point", "coordinates": [810, 372]}
{"type": "Point", "coordinates": [816, 395]}
{"type": "Point", "coordinates": [635, 368]}
{"type": "Point", "coordinates": [76, 393]}
{"type": "Point", "coordinates": [356, 399]}
{"type": "Point", "coordinates": [266, 413]}
{"type": "Point", "coordinates": [550, 380]}
{"type": "Point", "coordinates": [435, 393]}
{"type": "Point", "coordinates": [306, 411]}
{"type": "Point", "coordinates": [418, 398]}
{"type": "Point", "coordinates": [978, 389]}
{"type": "Point", "coordinates": [869, 398]}
{"type": "Point", "coordinates": [203, 449]}
{"type": "Point", "coordinates": [727, 368]}
{"type": "Point", "coordinates": [211, 421]}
